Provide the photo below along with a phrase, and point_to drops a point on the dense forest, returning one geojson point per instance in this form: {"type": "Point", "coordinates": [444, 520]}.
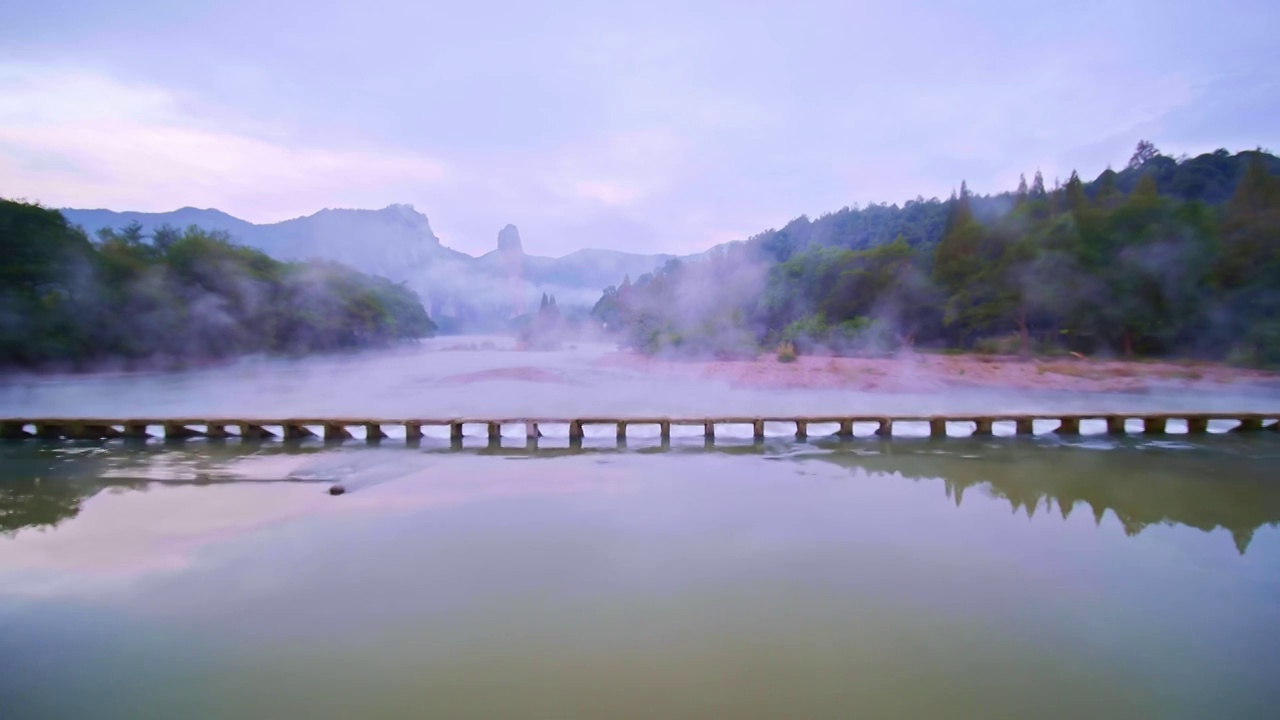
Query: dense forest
{"type": "Point", "coordinates": [1168, 257]}
{"type": "Point", "coordinates": [69, 302]}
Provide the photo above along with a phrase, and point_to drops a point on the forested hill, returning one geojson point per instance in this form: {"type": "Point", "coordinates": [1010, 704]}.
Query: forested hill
{"type": "Point", "coordinates": [68, 302]}
{"type": "Point", "coordinates": [1165, 257]}
{"type": "Point", "coordinates": [1210, 178]}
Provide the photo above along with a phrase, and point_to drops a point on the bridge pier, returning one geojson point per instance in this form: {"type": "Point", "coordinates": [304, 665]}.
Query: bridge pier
{"type": "Point", "coordinates": [846, 428]}
{"type": "Point", "coordinates": [1154, 425]}
{"type": "Point", "coordinates": [495, 432]}
{"type": "Point", "coordinates": [216, 431]}
{"type": "Point", "coordinates": [575, 431]}
{"type": "Point", "coordinates": [757, 429]}
{"type": "Point", "coordinates": [1115, 424]}
{"type": "Point", "coordinates": [709, 430]}
{"type": "Point", "coordinates": [250, 431]}
{"type": "Point", "coordinates": [885, 428]}
{"type": "Point", "coordinates": [336, 432]}
{"type": "Point", "coordinates": [1068, 426]}
{"type": "Point", "coordinates": [802, 429]}
{"type": "Point", "coordinates": [13, 431]}
{"type": "Point", "coordinates": [1248, 425]}
{"type": "Point", "coordinates": [622, 431]}
{"type": "Point", "coordinates": [48, 431]}
{"type": "Point", "coordinates": [90, 431]}
{"type": "Point", "coordinates": [373, 432]}
{"type": "Point", "coordinates": [664, 431]}
{"type": "Point", "coordinates": [180, 431]}
{"type": "Point", "coordinates": [937, 428]}
{"type": "Point", "coordinates": [982, 427]}
{"type": "Point", "coordinates": [297, 431]}
{"type": "Point", "coordinates": [413, 431]}
{"type": "Point", "coordinates": [135, 430]}
{"type": "Point", "coordinates": [1197, 425]}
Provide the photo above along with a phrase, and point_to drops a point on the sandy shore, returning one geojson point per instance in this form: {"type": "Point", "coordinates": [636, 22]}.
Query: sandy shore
{"type": "Point", "coordinates": [928, 372]}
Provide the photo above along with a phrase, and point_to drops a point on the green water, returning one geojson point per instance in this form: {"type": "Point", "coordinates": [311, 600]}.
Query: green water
{"type": "Point", "coordinates": [988, 579]}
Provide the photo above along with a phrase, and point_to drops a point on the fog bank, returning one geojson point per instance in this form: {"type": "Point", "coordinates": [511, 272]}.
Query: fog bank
{"type": "Point", "coordinates": [484, 377]}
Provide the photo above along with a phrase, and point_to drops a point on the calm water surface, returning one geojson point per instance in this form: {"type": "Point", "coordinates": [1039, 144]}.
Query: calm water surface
{"type": "Point", "coordinates": [1005, 577]}
{"type": "Point", "coordinates": [960, 579]}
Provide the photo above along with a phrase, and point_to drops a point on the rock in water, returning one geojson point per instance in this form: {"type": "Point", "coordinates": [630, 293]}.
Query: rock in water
{"type": "Point", "coordinates": [337, 490]}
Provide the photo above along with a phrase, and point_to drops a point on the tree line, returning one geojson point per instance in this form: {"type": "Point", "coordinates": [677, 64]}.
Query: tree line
{"type": "Point", "coordinates": [71, 302]}
{"type": "Point", "coordinates": [1167, 257]}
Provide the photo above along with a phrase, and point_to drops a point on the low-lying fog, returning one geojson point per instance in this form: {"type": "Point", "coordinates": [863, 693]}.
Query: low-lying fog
{"type": "Point", "coordinates": [480, 377]}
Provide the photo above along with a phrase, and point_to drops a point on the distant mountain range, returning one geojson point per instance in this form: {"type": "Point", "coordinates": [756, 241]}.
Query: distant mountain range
{"type": "Point", "coordinates": [397, 242]}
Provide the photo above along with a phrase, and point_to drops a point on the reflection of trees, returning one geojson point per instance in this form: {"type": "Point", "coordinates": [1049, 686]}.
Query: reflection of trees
{"type": "Point", "coordinates": [44, 485]}
{"type": "Point", "coordinates": [1204, 488]}
{"type": "Point", "coordinates": [1215, 485]}
{"type": "Point", "coordinates": [37, 502]}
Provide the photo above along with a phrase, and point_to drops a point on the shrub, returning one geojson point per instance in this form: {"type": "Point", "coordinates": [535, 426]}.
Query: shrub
{"type": "Point", "coordinates": [808, 332]}
{"type": "Point", "coordinates": [786, 352]}
{"type": "Point", "coordinates": [999, 345]}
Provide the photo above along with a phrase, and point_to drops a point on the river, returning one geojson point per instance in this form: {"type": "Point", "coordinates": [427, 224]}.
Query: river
{"type": "Point", "coordinates": [1110, 577]}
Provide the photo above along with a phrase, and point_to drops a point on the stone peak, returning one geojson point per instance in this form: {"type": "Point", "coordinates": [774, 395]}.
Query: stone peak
{"type": "Point", "coordinates": [509, 240]}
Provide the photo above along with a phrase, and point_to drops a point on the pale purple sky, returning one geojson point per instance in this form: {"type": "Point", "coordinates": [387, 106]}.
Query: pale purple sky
{"type": "Point", "coordinates": [650, 126]}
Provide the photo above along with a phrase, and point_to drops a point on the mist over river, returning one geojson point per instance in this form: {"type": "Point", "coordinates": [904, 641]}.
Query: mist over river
{"type": "Point", "coordinates": [1001, 577]}
{"type": "Point", "coordinates": [481, 377]}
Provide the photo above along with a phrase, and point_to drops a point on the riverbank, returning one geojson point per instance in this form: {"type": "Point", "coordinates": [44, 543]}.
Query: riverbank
{"type": "Point", "coordinates": [916, 373]}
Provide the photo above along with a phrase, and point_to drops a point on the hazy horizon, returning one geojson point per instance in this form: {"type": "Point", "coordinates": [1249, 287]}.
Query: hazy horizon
{"type": "Point", "coordinates": [478, 248]}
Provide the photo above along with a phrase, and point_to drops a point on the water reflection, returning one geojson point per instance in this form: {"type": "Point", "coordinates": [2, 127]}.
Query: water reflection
{"type": "Point", "coordinates": [43, 485]}
{"type": "Point", "coordinates": [1217, 483]}
{"type": "Point", "coordinates": [1229, 484]}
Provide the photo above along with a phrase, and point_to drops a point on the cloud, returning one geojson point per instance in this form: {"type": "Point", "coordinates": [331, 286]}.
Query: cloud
{"type": "Point", "coordinates": [604, 191]}
{"type": "Point", "coordinates": [76, 139]}
{"type": "Point", "coordinates": [663, 126]}
{"type": "Point", "coordinates": [617, 169]}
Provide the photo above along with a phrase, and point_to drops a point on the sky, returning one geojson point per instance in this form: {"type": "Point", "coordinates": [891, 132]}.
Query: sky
{"type": "Point", "coordinates": [645, 126]}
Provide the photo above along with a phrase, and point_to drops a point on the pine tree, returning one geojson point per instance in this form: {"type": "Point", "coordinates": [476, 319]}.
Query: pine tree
{"type": "Point", "coordinates": [956, 260]}
{"type": "Point", "coordinates": [1251, 226]}
{"type": "Point", "coordinates": [1075, 197]}
{"type": "Point", "coordinates": [961, 211]}
{"type": "Point", "coordinates": [1037, 186]}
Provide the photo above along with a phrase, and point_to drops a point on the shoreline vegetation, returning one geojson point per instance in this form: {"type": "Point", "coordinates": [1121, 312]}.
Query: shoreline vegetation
{"type": "Point", "coordinates": [1168, 258]}
{"type": "Point", "coordinates": [177, 299]}
{"type": "Point", "coordinates": [1174, 260]}
{"type": "Point", "coordinates": [910, 372]}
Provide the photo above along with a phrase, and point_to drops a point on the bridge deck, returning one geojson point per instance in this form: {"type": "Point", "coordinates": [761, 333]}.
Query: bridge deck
{"type": "Point", "coordinates": [338, 428]}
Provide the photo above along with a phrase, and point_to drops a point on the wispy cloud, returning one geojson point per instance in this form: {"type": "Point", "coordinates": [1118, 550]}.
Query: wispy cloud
{"type": "Point", "coordinates": [660, 126]}
{"type": "Point", "coordinates": [76, 139]}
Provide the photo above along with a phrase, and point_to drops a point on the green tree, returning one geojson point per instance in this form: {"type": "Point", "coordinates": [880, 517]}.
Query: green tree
{"type": "Point", "coordinates": [1142, 154]}
{"type": "Point", "coordinates": [67, 302]}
